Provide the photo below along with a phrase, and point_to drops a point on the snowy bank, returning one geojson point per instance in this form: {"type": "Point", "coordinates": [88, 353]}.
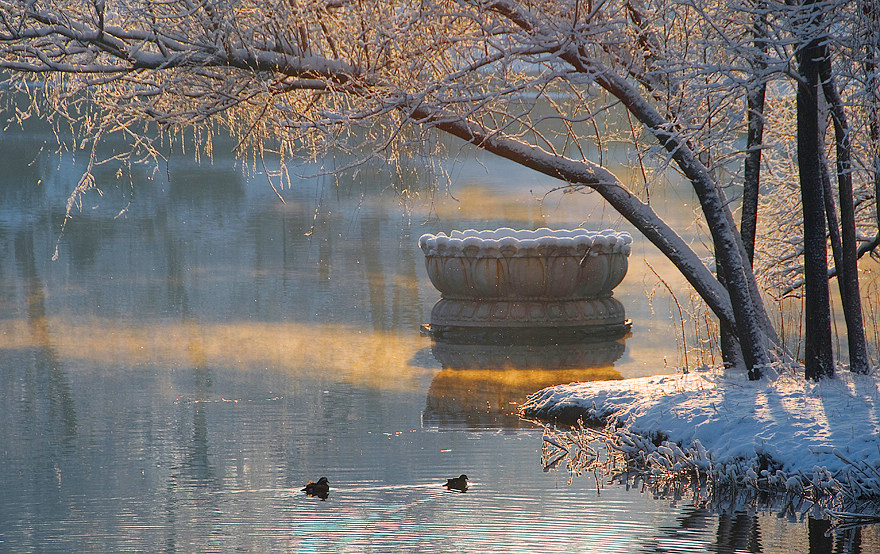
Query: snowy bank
{"type": "Point", "coordinates": [781, 432]}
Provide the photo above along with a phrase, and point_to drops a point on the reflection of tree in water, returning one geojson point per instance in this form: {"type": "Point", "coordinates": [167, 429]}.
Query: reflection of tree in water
{"type": "Point", "coordinates": [740, 531]}
{"type": "Point", "coordinates": [194, 471]}
{"type": "Point", "coordinates": [825, 538]}
{"type": "Point", "coordinates": [39, 418]}
{"type": "Point", "coordinates": [197, 468]}
{"type": "Point", "coordinates": [735, 532]}
{"type": "Point", "coordinates": [49, 379]}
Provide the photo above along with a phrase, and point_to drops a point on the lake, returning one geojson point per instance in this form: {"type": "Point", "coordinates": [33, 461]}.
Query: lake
{"type": "Point", "coordinates": [200, 350]}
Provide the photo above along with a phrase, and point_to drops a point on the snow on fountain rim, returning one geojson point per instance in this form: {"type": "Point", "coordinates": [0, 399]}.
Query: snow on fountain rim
{"type": "Point", "coordinates": [507, 242]}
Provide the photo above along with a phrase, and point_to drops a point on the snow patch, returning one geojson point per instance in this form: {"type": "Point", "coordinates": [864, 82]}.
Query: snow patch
{"type": "Point", "coordinates": [783, 431]}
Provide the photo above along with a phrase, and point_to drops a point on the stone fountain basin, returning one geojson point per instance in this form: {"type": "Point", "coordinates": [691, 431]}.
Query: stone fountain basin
{"type": "Point", "coordinates": [540, 265]}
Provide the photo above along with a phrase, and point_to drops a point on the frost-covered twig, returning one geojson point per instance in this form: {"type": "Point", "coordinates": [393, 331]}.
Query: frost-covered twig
{"type": "Point", "coordinates": [665, 467]}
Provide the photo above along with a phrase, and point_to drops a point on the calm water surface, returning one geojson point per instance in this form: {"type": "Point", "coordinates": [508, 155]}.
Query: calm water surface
{"type": "Point", "coordinates": [184, 367]}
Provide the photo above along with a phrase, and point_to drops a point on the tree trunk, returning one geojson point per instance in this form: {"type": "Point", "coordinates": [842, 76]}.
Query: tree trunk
{"type": "Point", "coordinates": [750, 317]}
{"type": "Point", "coordinates": [731, 351]}
{"type": "Point", "coordinates": [751, 170]}
{"type": "Point", "coordinates": [833, 226]}
{"type": "Point", "coordinates": [729, 252]}
{"type": "Point", "coordinates": [871, 14]}
{"type": "Point", "coordinates": [754, 140]}
{"type": "Point", "coordinates": [847, 262]}
{"type": "Point", "coordinates": [817, 317]}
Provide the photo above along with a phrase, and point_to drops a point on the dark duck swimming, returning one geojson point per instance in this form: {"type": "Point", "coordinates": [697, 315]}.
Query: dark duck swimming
{"type": "Point", "coordinates": [321, 489]}
{"type": "Point", "coordinates": [459, 483]}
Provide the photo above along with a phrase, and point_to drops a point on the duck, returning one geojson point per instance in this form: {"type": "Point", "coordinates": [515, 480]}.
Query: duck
{"type": "Point", "coordinates": [459, 483]}
{"type": "Point", "coordinates": [321, 489]}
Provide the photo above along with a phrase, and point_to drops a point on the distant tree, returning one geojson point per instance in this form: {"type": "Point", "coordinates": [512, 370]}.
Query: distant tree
{"type": "Point", "coordinates": [526, 80]}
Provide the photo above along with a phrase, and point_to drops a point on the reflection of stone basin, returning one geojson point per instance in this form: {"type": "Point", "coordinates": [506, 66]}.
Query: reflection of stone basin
{"type": "Point", "coordinates": [543, 357]}
{"type": "Point", "coordinates": [542, 264]}
{"type": "Point", "coordinates": [517, 279]}
{"type": "Point", "coordinates": [483, 385]}
{"type": "Point", "coordinates": [491, 397]}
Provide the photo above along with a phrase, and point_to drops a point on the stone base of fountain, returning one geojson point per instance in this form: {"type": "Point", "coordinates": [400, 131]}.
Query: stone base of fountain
{"type": "Point", "coordinates": [587, 312]}
{"type": "Point", "coordinates": [498, 336]}
{"type": "Point", "coordinates": [528, 321]}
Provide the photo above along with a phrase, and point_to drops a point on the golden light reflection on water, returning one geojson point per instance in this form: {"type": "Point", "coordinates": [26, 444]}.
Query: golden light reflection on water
{"type": "Point", "coordinates": [368, 357]}
{"type": "Point", "coordinates": [487, 396]}
{"type": "Point", "coordinates": [484, 384]}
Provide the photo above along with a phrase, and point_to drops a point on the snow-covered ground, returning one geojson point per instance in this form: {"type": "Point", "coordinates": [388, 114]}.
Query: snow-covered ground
{"type": "Point", "coordinates": [781, 432]}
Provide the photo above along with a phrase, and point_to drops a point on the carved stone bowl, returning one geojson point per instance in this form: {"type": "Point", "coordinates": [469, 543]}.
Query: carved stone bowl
{"type": "Point", "coordinates": [510, 278]}
{"type": "Point", "coordinates": [538, 265]}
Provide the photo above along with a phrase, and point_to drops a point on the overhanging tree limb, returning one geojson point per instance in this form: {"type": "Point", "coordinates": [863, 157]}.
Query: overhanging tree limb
{"type": "Point", "coordinates": [585, 173]}
{"type": "Point", "coordinates": [728, 245]}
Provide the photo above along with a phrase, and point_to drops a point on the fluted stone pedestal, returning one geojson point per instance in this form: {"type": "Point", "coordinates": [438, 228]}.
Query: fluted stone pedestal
{"type": "Point", "coordinates": [526, 285]}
